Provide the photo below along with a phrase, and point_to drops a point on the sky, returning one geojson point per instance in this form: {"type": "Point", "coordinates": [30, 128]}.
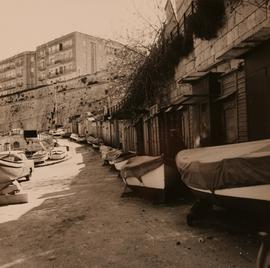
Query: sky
{"type": "Point", "coordinates": [25, 24]}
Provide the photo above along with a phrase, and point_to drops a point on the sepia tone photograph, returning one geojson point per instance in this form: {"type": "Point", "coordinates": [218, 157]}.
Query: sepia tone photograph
{"type": "Point", "coordinates": [135, 133]}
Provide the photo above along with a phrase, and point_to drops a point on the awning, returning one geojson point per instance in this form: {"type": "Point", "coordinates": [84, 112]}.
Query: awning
{"type": "Point", "coordinates": [168, 109]}
{"type": "Point", "coordinates": [225, 96]}
{"type": "Point", "coordinates": [180, 107]}
{"type": "Point", "coordinates": [193, 77]}
{"type": "Point", "coordinates": [191, 99]}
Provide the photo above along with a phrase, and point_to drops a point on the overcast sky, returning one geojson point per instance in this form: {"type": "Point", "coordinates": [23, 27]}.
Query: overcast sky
{"type": "Point", "coordinates": [25, 24]}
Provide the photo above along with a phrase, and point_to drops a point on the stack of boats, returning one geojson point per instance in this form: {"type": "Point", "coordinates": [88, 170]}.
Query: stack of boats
{"type": "Point", "coordinates": [142, 174]}
{"type": "Point", "coordinates": [235, 176]}
{"type": "Point", "coordinates": [44, 151]}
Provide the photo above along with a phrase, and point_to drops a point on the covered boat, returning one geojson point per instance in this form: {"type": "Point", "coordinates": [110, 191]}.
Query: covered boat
{"type": "Point", "coordinates": [151, 176]}
{"type": "Point", "coordinates": [236, 175]}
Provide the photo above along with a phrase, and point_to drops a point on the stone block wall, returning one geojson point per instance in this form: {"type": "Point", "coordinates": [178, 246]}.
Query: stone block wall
{"type": "Point", "coordinates": [41, 108]}
{"type": "Point", "coordinates": [241, 23]}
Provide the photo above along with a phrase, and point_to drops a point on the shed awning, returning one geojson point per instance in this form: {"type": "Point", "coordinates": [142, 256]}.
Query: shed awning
{"type": "Point", "coordinates": [193, 77]}
{"type": "Point", "coordinates": [192, 99]}
{"type": "Point", "coordinates": [225, 96]}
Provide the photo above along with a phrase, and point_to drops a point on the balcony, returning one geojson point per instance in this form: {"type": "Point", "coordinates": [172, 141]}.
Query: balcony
{"type": "Point", "coordinates": [64, 48]}
{"type": "Point", "coordinates": [60, 61]}
{"type": "Point", "coordinates": [54, 75]}
{"type": "Point", "coordinates": [4, 79]}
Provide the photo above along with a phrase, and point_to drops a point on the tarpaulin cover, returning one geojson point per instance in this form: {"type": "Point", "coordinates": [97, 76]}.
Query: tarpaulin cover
{"type": "Point", "coordinates": [93, 140]}
{"type": "Point", "coordinates": [140, 165]}
{"type": "Point", "coordinates": [104, 151]}
{"type": "Point", "coordinates": [227, 166]}
{"type": "Point", "coordinates": [113, 154]}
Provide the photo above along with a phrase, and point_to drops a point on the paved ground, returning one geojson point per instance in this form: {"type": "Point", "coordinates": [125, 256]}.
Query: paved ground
{"type": "Point", "coordinates": [76, 218]}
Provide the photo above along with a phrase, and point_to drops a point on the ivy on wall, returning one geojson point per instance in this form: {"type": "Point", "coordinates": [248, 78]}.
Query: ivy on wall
{"type": "Point", "coordinates": [207, 18]}
{"type": "Point", "coordinates": [157, 71]}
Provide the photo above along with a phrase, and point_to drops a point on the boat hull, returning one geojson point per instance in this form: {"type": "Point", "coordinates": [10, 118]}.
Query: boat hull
{"type": "Point", "coordinates": [10, 171]}
{"type": "Point", "coordinates": [159, 185]}
{"type": "Point", "coordinates": [119, 165]}
{"type": "Point", "coordinates": [251, 198]}
{"type": "Point", "coordinates": [154, 179]}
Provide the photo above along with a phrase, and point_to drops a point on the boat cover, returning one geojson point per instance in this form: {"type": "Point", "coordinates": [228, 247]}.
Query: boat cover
{"type": "Point", "coordinates": [137, 166]}
{"type": "Point", "coordinates": [227, 166]}
{"type": "Point", "coordinates": [93, 140]}
{"type": "Point", "coordinates": [113, 154]}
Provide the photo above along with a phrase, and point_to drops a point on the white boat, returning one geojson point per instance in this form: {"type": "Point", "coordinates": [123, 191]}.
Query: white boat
{"type": "Point", "coordinates": [148, 175]}
{"type": "Point", "coordinates": [77, 138]}
{"type": "Point", "coordinates": [12, 168]}
{"type": "Point", "coordinates": [58, 153]}
{"type": "Point", "coordinates": [14, 165]}
{"type": "Point", "coordinates": [40, 157]}
{"type": "Point", "coordinates": [235, 176]}
{"type": "Point", "coordinates": [123, 159]}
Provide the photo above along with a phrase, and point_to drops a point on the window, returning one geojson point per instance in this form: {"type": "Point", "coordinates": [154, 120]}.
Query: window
{"type": "Point", "coordinates": [16, 145]}
{"type": "Point", "coordinates": [60, 46]}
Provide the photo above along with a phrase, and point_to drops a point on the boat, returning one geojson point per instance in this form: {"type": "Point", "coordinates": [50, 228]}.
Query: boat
{"type": "Point", "coordinates": [40, 157]}
{"type": "Point", "coordinates": [146, 175]}
{"type": "Point", "coordinates": [59, 132]}
{"type": "Point", "coordinates": [95, 142]}
{"type": "Point", "coordinates": [235, 176]}
{"type": "Point", "coordinates": [123, 159]}
{"type": "Point", "coordinates": [58, 153]}
{"type": "Point", "coordinates": [11, 167]}
{"type": "Point", "coordinates": [77, 138]}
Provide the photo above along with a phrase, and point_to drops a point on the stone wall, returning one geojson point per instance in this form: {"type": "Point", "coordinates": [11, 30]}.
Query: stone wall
{"type": "Point", "coordinates": [43, 107]}
{"type": "Point", "coordinates": [241, 26]}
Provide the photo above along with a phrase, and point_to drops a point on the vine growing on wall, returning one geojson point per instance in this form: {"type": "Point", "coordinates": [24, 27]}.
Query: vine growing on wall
{"type": "Point", "coordinates": [157, 70]}
{"type": "Point", "coordinates": [207, 18]}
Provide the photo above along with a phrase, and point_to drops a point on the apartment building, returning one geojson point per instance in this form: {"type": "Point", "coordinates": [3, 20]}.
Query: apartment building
{"type": "Point", "coordinates": [63, 58]}
{"type": "Point", "coordinates": [72, 55]}
{"type": "Point", "coordinates": [18, 71]}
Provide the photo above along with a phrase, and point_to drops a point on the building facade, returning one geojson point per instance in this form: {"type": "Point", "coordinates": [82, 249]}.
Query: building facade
{"type": "Point", "coordinates": [72, 55]}
{"type": "Point", "coordinates": [18, 71]}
